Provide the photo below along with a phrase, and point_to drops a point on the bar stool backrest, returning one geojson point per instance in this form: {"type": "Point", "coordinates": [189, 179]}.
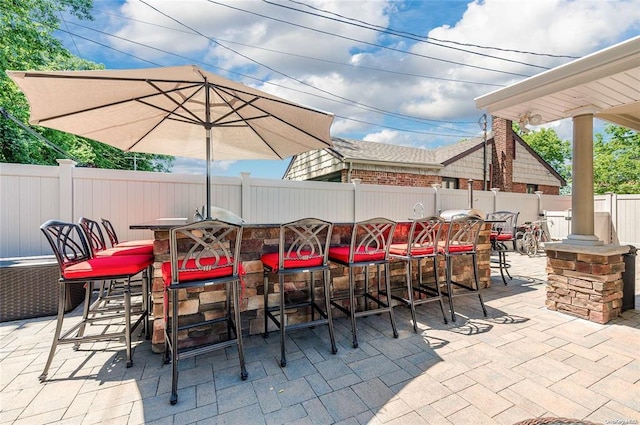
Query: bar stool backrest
{"type": "Point", "coordinates": [305, 239]}
{"type": "Point", "coordinates": [93, 234]}
{"type": "Point", "coordinates": [424, 232]}
{"type": "Point", "coordinates": [67, 241]}
{"type": "Point", "coordinates": [509, 223]}
{"type": "Point", "coordinates": [371, 237]}
{"type": "Point", "coordinates": [206, 249]}
{"type": "Point", "coordinates": [111, 232]}
{"type": "Point", "coordinates": [463, 233]}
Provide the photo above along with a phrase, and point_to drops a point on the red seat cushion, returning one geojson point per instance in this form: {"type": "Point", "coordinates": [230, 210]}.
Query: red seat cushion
{"type": "Point", "coordinates": [305, 260]}
{"type": "Point", "coordinates": [403, 249]}
{"type": "Point", "coordinates": [104, 267]}
{"type": "Point", "coordinates": [141, 242]}
{"type": "Point", "coordinates": [221, 269]}
{"type": "Point", "coordinates": [460, 248]}
{"type": "Point", "coordinates": [127, 250]}
{"type": "Point", "coordinates": [495, 236]}
{"type": "Point", "coordinates": [362, 255]}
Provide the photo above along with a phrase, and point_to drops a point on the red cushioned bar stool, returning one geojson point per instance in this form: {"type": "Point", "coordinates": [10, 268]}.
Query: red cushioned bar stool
{"type": "Point", "coordinates": [303, 248]}
{"type": "Point", "coordinates": [113, 237]}
{"type": "Point", "coordinates": [462, 241]}
{"type": "Point", "coordinates": [422, 244]}
{"type": "Point", "coordinates": [110, 290]}
{"type": "Point", "coordinates": [369, 247]}
{"type": "Point", "coordinates": [79, 266]}
{"type": "Point", "coordinates": [203, 254]}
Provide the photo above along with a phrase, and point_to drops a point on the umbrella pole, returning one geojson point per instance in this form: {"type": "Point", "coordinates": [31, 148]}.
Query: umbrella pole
{"type": "Point", "coordinates": [208, 204]}
{"type": "Point", "coordinates": [209, 155]}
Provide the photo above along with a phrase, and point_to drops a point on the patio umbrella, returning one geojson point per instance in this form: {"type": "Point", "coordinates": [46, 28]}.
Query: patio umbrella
{"type": "Point", "coordinates": [181, 111]}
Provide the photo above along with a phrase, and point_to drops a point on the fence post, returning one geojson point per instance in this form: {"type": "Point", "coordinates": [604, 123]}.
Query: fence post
{"type": "Point", "coordinates": [611, 206]}
{"type": "Point", "coordinates": [245, 196]}
{"type": "Point", "coordinates": [495, 191]}
{"type": "Point", "coordinates": [436, 202]}
{"type": "Point", "coordinates": [66, 189]}
{"type": "Point", "coordinates": [539, 194]}
{"type": "Point", "coordinates": [356, 198]}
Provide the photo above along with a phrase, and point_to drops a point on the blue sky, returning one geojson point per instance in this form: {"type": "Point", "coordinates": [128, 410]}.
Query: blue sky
{"type": "Point", "coordinates": [401, 72]}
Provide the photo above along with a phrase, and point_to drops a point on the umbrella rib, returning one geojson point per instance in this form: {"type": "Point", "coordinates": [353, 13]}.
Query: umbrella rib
{"type": "Point", "coordinates": [140, 99]}
{"type": "Point", "coordinates": [169, 113]}
{"type": "Point", "coordinates": [235, 110]}
{"type": "Point", "coordinates": [218, 89]}
{"type": "Point", "coordinates": [179, 105]}
{"type": "Point", "coordinates": [225, 88]}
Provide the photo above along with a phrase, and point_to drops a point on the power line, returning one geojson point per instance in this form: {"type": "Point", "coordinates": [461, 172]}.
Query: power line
{"type": "Point", "coordinates": [39, 136]}
{"type": "Point", "coordinates": [191, 60]}
{"type": "Point", "coordinates": [425, 39]}
{"type": "Point", "coordinates": [405, 35]}
{"type": "Point", "coordinates": [368, 107]}
{"type": "Point", "coordinates": [370, 44]}
{"type": "Point", "coordinates": [426, 77]}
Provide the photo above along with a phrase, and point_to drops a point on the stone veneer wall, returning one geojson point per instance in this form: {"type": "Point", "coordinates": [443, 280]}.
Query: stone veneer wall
{"type": "Point", "coordinates": [585, 281]}
{"type": "Point", "coordinates": [198, 303]}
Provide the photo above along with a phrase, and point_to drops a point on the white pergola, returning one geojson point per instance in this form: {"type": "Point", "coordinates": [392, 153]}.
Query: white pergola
{"type": "Point", "coordinates": [604, 85]}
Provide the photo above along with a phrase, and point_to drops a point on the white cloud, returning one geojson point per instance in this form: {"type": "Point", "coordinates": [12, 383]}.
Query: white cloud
{"type": "Point", "coordinates": [561, 27]}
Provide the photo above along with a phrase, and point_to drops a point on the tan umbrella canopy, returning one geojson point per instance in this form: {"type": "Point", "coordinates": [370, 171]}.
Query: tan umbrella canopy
{"type": "Point", "coordinates": [181, 111]}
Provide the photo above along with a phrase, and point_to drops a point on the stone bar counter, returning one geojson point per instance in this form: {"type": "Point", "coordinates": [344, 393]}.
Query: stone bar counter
{"type": "Point", "coordinates": [261, 238]}
{"type": "Point", "coordinates": [585, 281]}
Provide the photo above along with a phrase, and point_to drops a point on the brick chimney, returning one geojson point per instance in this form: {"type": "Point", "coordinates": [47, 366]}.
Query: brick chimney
{"type": "Point", "coordinates": [503, 153]}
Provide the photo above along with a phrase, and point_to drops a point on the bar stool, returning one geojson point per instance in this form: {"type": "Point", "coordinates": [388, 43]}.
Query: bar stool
{"type": "Point", "coordinates": [78, 266]}
{"type": "Point", "coordinates": [303, 248]}
{"type": "Point", "coordinates": [203, 254]}
{"type": "Point", "coordinates": [110, 290]}
{"type": "Point", "coordinates": [422, 243]}
{"type": "Point", "coordinates": [113, 237]}
{"type": "Point", "coordinates": [369, 246]}
{"type": "Point", "coordinates": [98, 244]}
{"type": "Point", "coordinates": [503, 233]}
{"type": "Point", "coordinates": [462, 240]}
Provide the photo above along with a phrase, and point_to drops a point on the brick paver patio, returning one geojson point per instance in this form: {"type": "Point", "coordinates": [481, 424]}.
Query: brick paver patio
{"type": "Point", "coordinates": [521, 362]}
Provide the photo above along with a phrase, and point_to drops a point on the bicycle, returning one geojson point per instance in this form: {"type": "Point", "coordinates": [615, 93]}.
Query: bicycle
{"type": "Point", "coordinates": [532, 238]}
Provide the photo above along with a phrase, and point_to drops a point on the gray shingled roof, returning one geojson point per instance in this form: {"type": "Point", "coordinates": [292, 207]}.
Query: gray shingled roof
{"type": "Point", "coordinates": [348, 149]}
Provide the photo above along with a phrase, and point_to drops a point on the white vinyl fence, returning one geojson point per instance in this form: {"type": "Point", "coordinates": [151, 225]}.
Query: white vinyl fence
{"type": "Point", "coordinates": [31, 195]}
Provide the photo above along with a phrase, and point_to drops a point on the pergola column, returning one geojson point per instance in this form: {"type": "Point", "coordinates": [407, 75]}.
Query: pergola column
{"type": "Point", "coordinates": [582, 210]}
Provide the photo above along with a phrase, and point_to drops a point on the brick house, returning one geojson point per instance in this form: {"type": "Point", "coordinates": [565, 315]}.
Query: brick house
{"type": "Point", "coordinates": [511, 164]}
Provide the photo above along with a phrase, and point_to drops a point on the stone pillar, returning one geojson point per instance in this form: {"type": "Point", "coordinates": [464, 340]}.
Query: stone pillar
{"type": "Point", "coordinates": [585, 281]}
{"type": "Point", "coordinates": [582, 210]}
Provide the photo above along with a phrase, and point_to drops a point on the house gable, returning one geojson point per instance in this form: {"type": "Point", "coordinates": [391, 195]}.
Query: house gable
{"type": "Point", "coordinates": [379, 163]}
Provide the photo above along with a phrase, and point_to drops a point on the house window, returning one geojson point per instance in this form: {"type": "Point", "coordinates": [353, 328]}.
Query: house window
{"type": "Point", "coordinates": [532, 188]}
{"type": "Point", "coordinates": [333, 177]}
{"type": "Point", "coordinates": [449, 183]}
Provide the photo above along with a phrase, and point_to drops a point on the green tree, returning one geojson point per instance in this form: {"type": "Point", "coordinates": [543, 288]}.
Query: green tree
{"type": "Point", "coordinates": [27, 43]}
{"type": "Point", "coordinates": [616, 163]}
